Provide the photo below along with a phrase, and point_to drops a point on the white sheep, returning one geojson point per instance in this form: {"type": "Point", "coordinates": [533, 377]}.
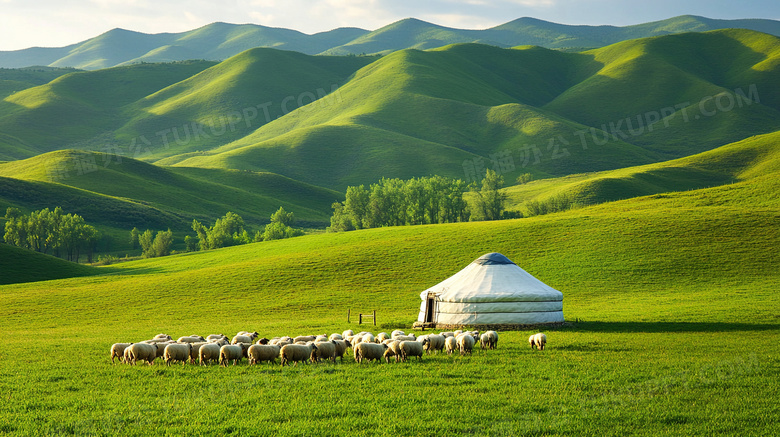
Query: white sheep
{"type": "Point", "coordinates": [177, 352]}
{"type": "Point", "coordinates": [304, 338]}
{"type": "Point", "coordinates": [118, 351]}
{"type": "Point", "coordinates": [409, 337]}
{"type": "Point", "coordinates": [397, 332]}
{"type": "Point", "coordinates": [538, 340]}
{"type": "Point", "coordinates": [241, 338]}
{"type": "Point", "coordinates": [488, 340]}
{"type": "Point", "coordinates": [321, 338]}
{"type": "Point", "coordinates": [195, 350]}
{"type": "Point", "coordinates": [393, 349]}
{"type": "Point", "coordinates": [251, 335]}
{"type": "Point", "coordinates": [465, 343]}
{"type": "Point", "coordinates": [450, 344]}
{"type": "Point", "coordinates": [341, 347]}
{"type": "Point", "coordinates": [161, 347]}
{"type": "Point", "coordinates": [257, 353]}
{"type": "Point", "coordinates": [296, 352]}
{"type": "Point", "coordinates": [369, 351]}
{"type": "Point", "coordinates": [209, 353]}
{"type": "Point", "coordinates": [411, 349]}
{"type": "Point", "coordinates": [347, 333]}
{"type": "Point", "coordinates": [164, 337]}
{"type": "Point", "coordinates": [326, 350]}
{"type": "Point", "coordinates": [191, 339]}
{"type": "Point", "coordinates": [232, 352]}
{"type": "Point", "coordinates": [435, 342]}
{"type": "Point", "coordinates": [336, 336]}
{"type": "Point", "coordinates": [381, 337]}
{"type": "Point", "coordinates": [140, 352]}
{"type": "Point", "coordinates": [368, 338]}
{"type": "Point", "coordinates": [447, 334]}
{"type": "Point", "coordinates": [216, 337]}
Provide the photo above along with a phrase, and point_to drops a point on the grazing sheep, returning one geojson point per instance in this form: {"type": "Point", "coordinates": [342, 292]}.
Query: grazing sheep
{"type": "Point", "coordinates": [538, 340]}
{"type": "Point", "coordinates": [465, 343]}
{"type": "Point", "coordinates": [191, 339]}
{"type": "Point", "coordinates": [369, 351]}
{"type": "Point", "coordinates": [447, 334]}
{"type": "Point", "coordinates": [195, 350]}
{"type": "Point", "coordinates": [232, 352]}
{"type": "Point", "coordinates": [177, 352]}
{"type": "Point", "coordinates": [326, 350]}
{"type": "Point", "coordinates": [221, 342]}
{"type": "Point", "coordinates": [164, 337]}
{"type": "Point", "coordinates": [209, 353]}
{"type": "Point", "coordinates": [118, 351]}
{"type": "Point", "coordinates": [283, 343]}
{"type": "Point", "coordinates": [409, 337]}
{"type": "Point", "coordinates": [368, 338]}
{"type": "Point", "coordinates": [381, 337]}
{"type": "Point", "coordinates": [251, 335]}
{"type": "Point", "coordinates": [355, 340]}
{"type": "Point", "coordinates": [411, 349]}
{"type": "Point", "coordinates": [397, 332]}
{"type": "Point", "coordinates": [451, 344]}
{"type": "Point", "coordinates": [341, 347]}
{"type": "Point", "coordinates": [161, 347]}
{"type": "Point", "coordinates": [435, 343]}
{"type": "Point", "coordinates": [296, 352]}
{"type": "Point", "coordinates": [336, 336]}
{"type": "Point", "coordinates": [216, 337]}
{"type": "Point", "coordinates": [320, 338]}
{"type": "Point", "coordinates": [140, 352]}
{"type": "Point", "coordinates": [457, 333]}
{"type": "Point", "coordinates": [393, 350]}
{"type": "Point", "coordinates": [263, 341]}
{"type": "Point", "coordinates": [488, 340]}
{"type": "Point", "coordinates": [347, 333]}
{"type": "Point", "coordinates": [257, 353]}
{"type": "Point", "coordinates": [241, 338]}
{"type": "Point", "coordinates": [304, 338]}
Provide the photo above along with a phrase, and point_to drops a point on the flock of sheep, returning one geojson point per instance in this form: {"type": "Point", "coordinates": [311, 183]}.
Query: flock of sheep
{"type": "Point", "coordinates": [365, 347]}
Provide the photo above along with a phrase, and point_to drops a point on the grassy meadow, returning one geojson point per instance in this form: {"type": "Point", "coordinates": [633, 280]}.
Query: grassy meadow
{"type": "Point", "coordinates": [674, 330]}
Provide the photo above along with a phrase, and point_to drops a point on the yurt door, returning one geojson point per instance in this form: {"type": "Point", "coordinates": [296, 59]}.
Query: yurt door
{"type": "Point", "coordinates": [429, 306]}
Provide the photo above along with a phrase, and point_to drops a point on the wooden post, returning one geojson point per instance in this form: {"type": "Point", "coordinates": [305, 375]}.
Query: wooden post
{"type": "Point", "coordinates": [374, 317]}
{"type": "Point", "coordinates": [348, 311]}
{"type": "Point", "coordinates": [360, 319]}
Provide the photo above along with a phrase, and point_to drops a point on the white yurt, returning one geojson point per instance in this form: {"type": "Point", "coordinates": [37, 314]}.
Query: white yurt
{"type": "Point", "coordinates": [492, 290]}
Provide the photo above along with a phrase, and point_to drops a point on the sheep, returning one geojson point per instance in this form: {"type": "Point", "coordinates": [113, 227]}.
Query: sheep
{"type": "Point", "coordinates": [355, 340]}
{"type": "Point", "coordinates": [368, 338]}
{"type": "Point", "coordinates": [139, 352]}
{"type": "Point", "coordinates": [347, 333]}
{"type": "Point", "coordinates": [320, 338]}
{"type": "Point", "coordinates": [397, 332]}
{"type": "Point", "coordinates": [208, 353]}
{"type": "Point", "coordinates": [241, 338]}
{"type": "Point", "coordinates": [282, 343]}
{"type": "Point", "coordinates": [539, 340]}
{"type": "Point", "coordinates": [341, 347]}
{"type": "Point", "coordinates": [369, 351]}
{"type": "Point", "coordinates": [447, 334]}
{"type": "Point", "coordinates": [304, 338]}
{"type": "Point", "coordinates": [257, 353]}
{"type": "Point", "coordinates": [393, 350]}
{"type": "Point", "coordinates": [465, 343]}
{"type": "Point", "coordinates": [251, 335]}
{"type": "Point", "coordinates": [161, 347]}
{"type": "Point", "coordinates": [336, 336]}
{"type": "Point", "coordinates": [232, 352]}
{"type": "Point", "coordinates": [381, 337]}
{"type": "Point", "coordinates": [177, 352]}
{"type": "Point", "coordinates": [221, 342]}
{"type": "Point", "coordinates": [450, 343]}
{"type": "Point", "coordinates": [296, 352]}
{"type": "Point", "coordinates": [195, 350]}
{"type": "Point", "coordinates": [411, 349]}
{"type": "Point", "coordinates": [435, 343]}
{"type": "Point", "coordinates": [191, 339]}
{"type": "Point", "coordinates": [409, 337]}
{"type": "Point", "coordinates": [457, 333]}
{"type": "Point", "coordinates": [325, 350]}
{"type": "Point", "coordinates": [488, 340]}
{"type": "Point", "coordinates": [216, 337]}
{"type": "Point", "coordinates": [126, 355]}
{"type": "Point", "coordinates": [263, 341]}
{"type": "Point", "coordinates": [118, 351]}
{"type": "Point", "coordinates": [164, 337]}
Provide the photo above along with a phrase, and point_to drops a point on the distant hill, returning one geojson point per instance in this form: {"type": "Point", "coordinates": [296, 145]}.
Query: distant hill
{"type": "Point", "coordinates": [19, 265]}
{"type": "Point", "coordinates": [218, 41]}
{"type": "Point", "coordinates": [123, 193]}
{"type": "Point", "coordinates": [453, 111]}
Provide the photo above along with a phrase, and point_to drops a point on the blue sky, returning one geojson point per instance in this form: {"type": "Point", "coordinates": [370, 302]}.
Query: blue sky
{"type": "Point", "coordinates": [55, 23]}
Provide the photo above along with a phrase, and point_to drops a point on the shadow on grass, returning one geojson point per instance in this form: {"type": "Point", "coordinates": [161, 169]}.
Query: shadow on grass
{"type": "Point", "coordinates": [659, 327]}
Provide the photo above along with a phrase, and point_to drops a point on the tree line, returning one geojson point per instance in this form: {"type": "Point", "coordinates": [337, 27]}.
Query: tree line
{"type": "Point", "coordinates": [417, 201]}
{"type": "Point", "coordinates": [51, 232]}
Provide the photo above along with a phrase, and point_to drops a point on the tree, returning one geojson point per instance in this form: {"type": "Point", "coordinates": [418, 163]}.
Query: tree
{"type": "Point", "coordinates": [340, 221]}
{"type": "Point", "coordinates": [524, 178]}
{"type": "Point", "coordinates": [146, 240]}
{"type": "Point", "coordinates": [191, 243]}
{"type": "Point", "coordinates": [281, 226]}
{"type": "Point", "coordinates": [134, 238]}
{"type": "Point", "coordinates": [162, 243]}
{"type": "Point", "coordinates": [489, 201]}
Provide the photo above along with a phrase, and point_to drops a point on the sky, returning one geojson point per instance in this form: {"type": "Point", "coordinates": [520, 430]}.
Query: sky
{"type": "Point", "coordinates": [57, 23]}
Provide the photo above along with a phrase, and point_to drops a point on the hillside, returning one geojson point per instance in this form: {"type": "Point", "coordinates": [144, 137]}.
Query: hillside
{"type": "Point", "coordinates": [756, 157]}
{"type": "Point", "coordinates": [551, 113]}
{"type": "Point", "coordinates": [21, 266]}
{"type": "Point", "coordinates": [124, 193]}
{"type": "Point", "coordinates": [218, 41]}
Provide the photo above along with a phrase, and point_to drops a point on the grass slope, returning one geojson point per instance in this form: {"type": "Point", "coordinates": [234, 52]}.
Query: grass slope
{"type": "Point", "coordinates": [130, 193]}
{"type": "Point", "coordinates": [24, 266]}
{"type": "Point", "coordinates": [666, 288]}
{"type": "Point", "coordinates": [755, 157]}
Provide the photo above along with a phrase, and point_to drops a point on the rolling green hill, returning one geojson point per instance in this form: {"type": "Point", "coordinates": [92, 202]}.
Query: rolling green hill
{"type": "Point", "coordinates": [24, 266]}
{"type": "Point", "coordinates": [124, 193]}
{"type": "Point", "coordinates": [218, 41]}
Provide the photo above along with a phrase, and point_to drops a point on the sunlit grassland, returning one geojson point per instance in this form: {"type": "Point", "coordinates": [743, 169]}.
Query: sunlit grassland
{"type": "Point", "coordinates": [672, 302]}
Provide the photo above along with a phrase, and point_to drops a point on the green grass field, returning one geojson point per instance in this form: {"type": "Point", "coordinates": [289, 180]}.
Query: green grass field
{"type": "Point", "coordinates": [671, 298]}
